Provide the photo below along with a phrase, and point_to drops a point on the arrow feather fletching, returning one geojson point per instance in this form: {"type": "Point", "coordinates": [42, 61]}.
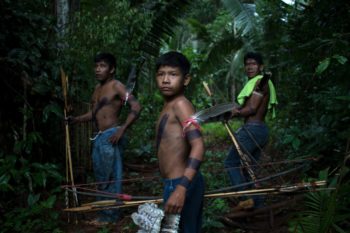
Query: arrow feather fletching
{"type": "Point", "coordinates": [131, 80]}
{"type": "Point", "coordinates": [211, 113]}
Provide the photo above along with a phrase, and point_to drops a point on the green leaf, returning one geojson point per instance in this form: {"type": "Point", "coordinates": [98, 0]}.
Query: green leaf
{"type": "Point", "coordinates": [323, 66]}
{"type": "Point", "coordinates": [32, 199]}
{"type": "Point", "coordinates": [52, 108]}
{"type": "Point", "coordinates": [49, 203]}
{"type": "Point", "coordinates": [341, 59]}
{"type": "Point", "coordinates": [40, 179]}
{"type": "Point", "coordinates": [4, 183]}
{"type": "Point", "coordinates": [167, 15]}
{"type": "Point", "coordinates": [227, 44]}
{"type": "Point", "coordinates": [323, 174]}
{"type": "Point", "coordinates": [338, 229]}
{"type": "Point", "coordinates": [41, 88]}
{"type": "Point", "coordinates": [296, 143]}
{"type": "Point", "coordinates": [244, 16]}
{"type": "Point", "coordinates": [347, 98]}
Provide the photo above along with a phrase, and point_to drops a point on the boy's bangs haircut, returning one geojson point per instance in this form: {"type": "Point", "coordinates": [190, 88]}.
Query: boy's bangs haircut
{"type": "Point", "coordinates": [106, 57]}
{"type": "Point", "coordinates": [254, 55]}
{"type": "Point", "coordinates": [174, 59]}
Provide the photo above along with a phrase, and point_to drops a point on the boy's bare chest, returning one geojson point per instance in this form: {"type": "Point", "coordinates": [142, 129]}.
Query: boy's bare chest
{"type": "Point", "coordinates": [168, 124]}
{"type": "Point", "coordinates": [105, 93]}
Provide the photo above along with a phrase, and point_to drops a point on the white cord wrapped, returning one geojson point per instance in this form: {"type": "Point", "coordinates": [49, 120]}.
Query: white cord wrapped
{"type": "Point", "coordinates": [170, 223]}
{"type": "Point", "coordinates": [148, 218]}
{"type": "Point", "coordinates": [151, 219]}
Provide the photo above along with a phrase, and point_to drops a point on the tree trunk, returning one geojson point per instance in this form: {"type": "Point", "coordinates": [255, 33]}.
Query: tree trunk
{"type": "Point", "coordinates": [62, 15]}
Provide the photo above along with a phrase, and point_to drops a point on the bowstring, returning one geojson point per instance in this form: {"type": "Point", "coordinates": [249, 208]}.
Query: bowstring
{"type": "Point", "coordinates": [219, 170]}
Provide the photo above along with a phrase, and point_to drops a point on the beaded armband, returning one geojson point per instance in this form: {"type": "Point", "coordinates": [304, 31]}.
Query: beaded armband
{"type": "Point", "coordinates": [193, 163]}
{"type": "Point", "coordinates": [185, 182]}
{"type": "Point", "coordinates": [193, 134]}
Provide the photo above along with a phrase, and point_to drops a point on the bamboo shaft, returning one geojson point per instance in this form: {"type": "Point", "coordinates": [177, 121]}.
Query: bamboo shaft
{"type": "Point", "coordinates": [110, 204]}
{"type": "Point", "coordinates": [107, 204]}
{"type": "Point", "coordinates": [68, 148]}
{"type": "Point", "coordinates": [244, 160]}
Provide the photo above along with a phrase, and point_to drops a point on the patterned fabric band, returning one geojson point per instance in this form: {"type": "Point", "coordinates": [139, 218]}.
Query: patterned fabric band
{"type": "Point", "coordinates": [185, 182]}
{"type": "Point", "coordinates": [193, 163]}
{"type": "Point", "coordinates": [193, 134]}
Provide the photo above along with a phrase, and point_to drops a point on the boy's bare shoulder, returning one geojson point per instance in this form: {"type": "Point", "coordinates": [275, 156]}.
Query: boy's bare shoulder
{"type": "Point", "coordinates": [182, 102]}
{"type": "Point", "coordinates": [118, 87]}
{"type": "Point", "coordinates": [183, 107]}
{"type": "Point", "coordinates": [116, 83]}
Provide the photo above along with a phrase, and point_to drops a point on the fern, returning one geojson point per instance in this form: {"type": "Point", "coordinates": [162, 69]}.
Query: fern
{"type": "Point", "coordinates": [326, 211]}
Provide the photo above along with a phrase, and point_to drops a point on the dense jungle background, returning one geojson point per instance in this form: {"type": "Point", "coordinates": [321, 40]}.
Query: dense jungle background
{"type": "Point", "coordinates": [305, 43]}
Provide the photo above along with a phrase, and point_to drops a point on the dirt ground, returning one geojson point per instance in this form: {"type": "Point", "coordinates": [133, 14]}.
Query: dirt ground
{"type": "Point", "coordinates": [81, 223]}
{"type": "Point", "coordinates": [272, 220]}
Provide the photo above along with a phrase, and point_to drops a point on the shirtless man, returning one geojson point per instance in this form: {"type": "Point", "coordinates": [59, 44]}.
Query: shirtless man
{"type": "Point", "coordinates": [180, 146]}
{"type": "Point", "coordinates": [107, 154]}
{"type": "Point", "coordinates": [253, 135]}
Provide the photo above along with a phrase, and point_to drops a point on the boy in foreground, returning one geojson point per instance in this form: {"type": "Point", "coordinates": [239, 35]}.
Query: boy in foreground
{"type": "Point", "coordinates": [179, 144]}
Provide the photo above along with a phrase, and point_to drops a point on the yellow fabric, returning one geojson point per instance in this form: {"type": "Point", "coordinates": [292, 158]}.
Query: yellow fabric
{"type": "Point", "coordinates": [248, 89]}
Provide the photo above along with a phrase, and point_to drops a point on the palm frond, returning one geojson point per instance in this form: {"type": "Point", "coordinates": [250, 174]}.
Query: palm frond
{"type": "Point", "coordinates": [243, 14]}
{"type": "Point", "coordinates": [219, 51]}
{"type": "Point", "coordinates": [167, 15]}
{"type": "Point", "coordinates": [199, 29]}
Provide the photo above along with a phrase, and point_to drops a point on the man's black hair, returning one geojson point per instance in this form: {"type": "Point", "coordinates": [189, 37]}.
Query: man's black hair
{"type": "Point", "coordinates": [254, 55]}
{"type": "Point", "coordinates": [174, 59]}
{"type": "Point", "coordinates": [106, 57]}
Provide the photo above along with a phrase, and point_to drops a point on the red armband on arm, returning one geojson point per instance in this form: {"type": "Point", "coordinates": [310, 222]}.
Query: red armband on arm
{"type": "Point", "coordinates": [187, 123]}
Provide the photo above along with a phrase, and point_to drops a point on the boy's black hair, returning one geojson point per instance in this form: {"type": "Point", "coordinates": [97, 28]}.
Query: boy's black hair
{"type": "Point", "coordinates": [174, 59]}
{"type": "Point", "coordinates": [254, 55]}
{"type": "Point", "coordinates": [106, 57]}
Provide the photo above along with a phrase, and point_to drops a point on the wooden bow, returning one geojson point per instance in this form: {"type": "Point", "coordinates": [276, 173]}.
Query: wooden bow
{"type": "Point", "coordinates": [69, 166]}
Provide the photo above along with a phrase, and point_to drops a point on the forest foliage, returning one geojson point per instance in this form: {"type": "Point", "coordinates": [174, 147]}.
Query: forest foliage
{"type": "Point", "coordinates": [305, 45]}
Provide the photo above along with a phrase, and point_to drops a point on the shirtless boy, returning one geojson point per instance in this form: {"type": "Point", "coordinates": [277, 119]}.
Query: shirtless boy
{"type": "Point", "coordinates": [253, 135]}
{"type": "Point", "coordinates": [180, 146]}
{"type": "Point", "coordinates": [107, 101]}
